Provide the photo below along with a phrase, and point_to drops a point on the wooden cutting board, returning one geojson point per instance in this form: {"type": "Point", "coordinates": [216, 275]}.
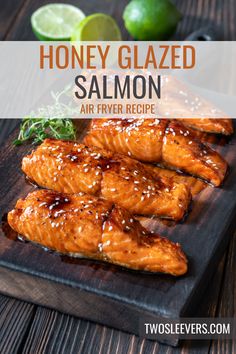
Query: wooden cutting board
{"type": "Point", "coordinates": [109, 294]}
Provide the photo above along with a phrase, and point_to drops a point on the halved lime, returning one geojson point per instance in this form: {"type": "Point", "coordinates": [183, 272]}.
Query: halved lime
{"type": "Point", "coordinates": [97, 27]}
{"type": "Point", "coordinates": [55, 22]}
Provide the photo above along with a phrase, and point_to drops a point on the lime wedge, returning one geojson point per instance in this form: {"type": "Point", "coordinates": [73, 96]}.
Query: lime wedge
{"type": "Point", "coordinates": [97, 27]}
{"type": "Point", "coordinates": [55, 22]}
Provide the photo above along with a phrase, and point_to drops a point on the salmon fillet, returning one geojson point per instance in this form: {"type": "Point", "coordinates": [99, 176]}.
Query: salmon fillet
{"type": "Point", "coordinates": [84, 225]}
{"type": "Point", "coordinates": [70, 167]}
{"type": "Point", "coordinates": [159, 140]}
{"type": "Point", "coordinates": [210, 125]}
{"type": "Point", "coordinates": [196, 185]}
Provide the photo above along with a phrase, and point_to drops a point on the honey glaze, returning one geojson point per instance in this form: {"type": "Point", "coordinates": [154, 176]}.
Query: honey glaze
{"type": "Point", "coordinates": [164, 220]}
{"type": "Point", "coordinates": [195, 184]}
{"type": "Point", "coordinates": [210, 138]}
{"type": "Point", "coordinates": [130, 226]}
{"type": "Point", "coordinates": [14, 236]}
{"type": "Point", "coordinates": [54, 201]}
{"type": "Point", "coordinates": [72, 258]}
{"type": "Point", "coordinates": [9, 232]}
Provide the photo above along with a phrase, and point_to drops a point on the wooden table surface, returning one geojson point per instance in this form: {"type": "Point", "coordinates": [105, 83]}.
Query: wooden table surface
{"type": "Point", "coordinates": [27, 328]}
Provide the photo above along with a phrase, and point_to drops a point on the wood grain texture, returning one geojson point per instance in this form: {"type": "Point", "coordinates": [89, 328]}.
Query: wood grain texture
{"type": "Point", "coordinates": [52, 332]}
{"type": "Point", "coordinates": [15, 320]}
{"type": "Point", "coordinates": [22, 28]}
{"type": "Point", "coordinates": [227, 300]}
{"type": "Point", "coordinates": [220, 14]}
{"type": "Point", "coordinates": [59, 333]}
{"type": "Point", "coordinates": [8, 14]}
{"type": "Point", "coordinates": [6, 128]}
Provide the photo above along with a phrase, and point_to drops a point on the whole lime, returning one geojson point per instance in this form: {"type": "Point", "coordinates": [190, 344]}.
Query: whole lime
{"type": "Point", "coordinates": [151, 19]}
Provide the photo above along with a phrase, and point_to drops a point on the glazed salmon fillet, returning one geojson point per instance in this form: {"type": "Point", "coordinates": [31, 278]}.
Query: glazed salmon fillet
{"type": "Point", "coordinates": [210, 125]}
{"type": "Point", "coordinates": [159, 141]}
{"type": "Point", "coordinates": [84, 225]}
{"type": "Point", "coordinates": [195, 184]}
{"type": "Point", "coordinates": [70, 167]}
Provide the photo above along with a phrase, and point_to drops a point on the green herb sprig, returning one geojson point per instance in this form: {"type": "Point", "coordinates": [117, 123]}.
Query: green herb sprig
{"type": "Point", "coordinates": [38, 129]}
{"type": "Point", "coordinates": [55, 125]}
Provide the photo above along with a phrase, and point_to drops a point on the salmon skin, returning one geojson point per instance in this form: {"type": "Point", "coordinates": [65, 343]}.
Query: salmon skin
{"type": "Point", "coordinates": [210, 125]}
{"type": "Point", "coordinates": [159, 141]}
{"type": "Point", "coordinates": [70, 167]}
{"type": "Point", "coordinates": [84, 225]}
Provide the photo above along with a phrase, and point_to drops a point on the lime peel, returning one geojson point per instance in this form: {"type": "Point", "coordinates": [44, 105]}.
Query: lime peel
{"type": "Point", "coordinates": [56, 21]}
{"type": "Point", "coordinates": [97, 27]}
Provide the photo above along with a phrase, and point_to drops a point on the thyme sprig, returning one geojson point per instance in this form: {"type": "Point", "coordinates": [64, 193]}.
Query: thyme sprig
{"type": "Point", "coordinates": [38, 129]}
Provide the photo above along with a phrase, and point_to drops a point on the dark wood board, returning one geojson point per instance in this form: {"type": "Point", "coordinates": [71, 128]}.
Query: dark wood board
{"type": "Point", "coordinates": [52, 332]}
{"type": "Point", "coordinates": [108, 294]}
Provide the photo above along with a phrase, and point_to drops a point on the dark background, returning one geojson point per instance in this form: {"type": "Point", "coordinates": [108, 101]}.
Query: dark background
{"type": "Point", "coordinates": [26, 328]}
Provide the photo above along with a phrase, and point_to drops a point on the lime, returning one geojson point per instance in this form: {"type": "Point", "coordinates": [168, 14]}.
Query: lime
{"type": "Point", "coordinates": [55, 22]}
{"type": "Point", "coordinates": [151, 19]}
{"type": "Point", "coordinates": [97, 27]}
